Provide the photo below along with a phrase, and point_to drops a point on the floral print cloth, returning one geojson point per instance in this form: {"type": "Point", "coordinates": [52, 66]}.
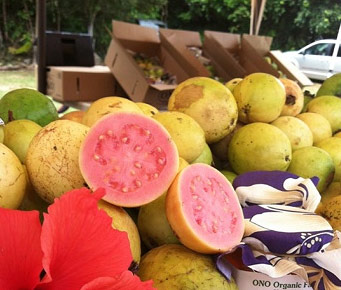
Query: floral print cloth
{"type": "Point", "coordinates": [283, 235]}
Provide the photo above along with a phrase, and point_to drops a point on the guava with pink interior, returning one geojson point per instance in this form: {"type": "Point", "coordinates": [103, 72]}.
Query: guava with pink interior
{"type": "Point", "coordinates": [204, 211]}
{"type": "Point", "coordinates": [131, 155]}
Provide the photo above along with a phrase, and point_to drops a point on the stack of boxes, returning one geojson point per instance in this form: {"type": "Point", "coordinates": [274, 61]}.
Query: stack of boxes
{"type": "Point", "coordinates": [182, 54]}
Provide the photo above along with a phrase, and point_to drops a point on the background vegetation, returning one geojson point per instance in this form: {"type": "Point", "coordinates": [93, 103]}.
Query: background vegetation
{"type": "Point", "coordinates": [292, 24]}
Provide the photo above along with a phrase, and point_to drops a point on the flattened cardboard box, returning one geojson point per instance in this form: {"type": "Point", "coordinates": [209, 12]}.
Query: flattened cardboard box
{"type": "Point", "coordinates": [240, 55]}
{"type": "Point", "coordinates": [223, 49]}
{"type": "Point", "coordinates": [73, 84]}
{"type": "Point", "coordinates": [177, 43]}
{"type": "Point", "coordinates": [256, 48]}
{"type": "Point", "coordinates": [131, 37]}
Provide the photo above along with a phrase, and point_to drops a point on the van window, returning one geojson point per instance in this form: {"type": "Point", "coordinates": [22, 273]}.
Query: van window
{"type": "Point", "coordinates": [320, 49]}
{"type": "Point", "coordinates": [339, 52]}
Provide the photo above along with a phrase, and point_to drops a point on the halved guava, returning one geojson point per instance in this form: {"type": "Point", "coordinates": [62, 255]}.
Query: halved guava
{"type": "Point", "coordinates": [131, 155]}
{"type": "Point", "coordinates": [204, 211]}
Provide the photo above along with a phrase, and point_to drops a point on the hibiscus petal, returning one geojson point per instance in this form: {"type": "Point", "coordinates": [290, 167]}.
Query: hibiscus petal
{"type": "Point", "coordinates": [20, 254]}
{"type": "Point", "coordinates": [79, 243]}
{"type": "Point", "coordinates": [126, 281]}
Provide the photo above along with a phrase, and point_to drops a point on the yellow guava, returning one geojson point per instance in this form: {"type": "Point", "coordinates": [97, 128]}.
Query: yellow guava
{"type": "Point", "coordinates": [52, 159]}
{"type": "Point", "coordinates": [259, 146]}
{"type": "Point", "coordinates": [12, 179]}
{"type": "Point", "coordinates": [187, 134]}
{"type": "Point", "coordinates": [173, 266]}
{"type": "Point", "coordinates": [297, 131]}
{"type": "Point", "coordinates": [208, 102]}
{"type": "Point", "coordinates": [106, 105]}
{"type": "Point", "coordinates": [260, 98]}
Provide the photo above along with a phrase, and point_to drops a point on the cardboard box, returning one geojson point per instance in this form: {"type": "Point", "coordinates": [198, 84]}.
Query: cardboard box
{"type": "Point", "coordinates": [256, 48]}
{"type": "Point", "coordinates": [223, 49]}
{"type": "Point", "coordinates": [73, 83]}
{"type": "Point", "coordinates": [239, 55]}
{"type": "Point", "coordinates": [177, 43]}
{"type": "Point", "coordinates": [131, 37]}
{"type": "Point", "coordinates": [290, 70]}
{"type": "Point", "coordinates": [253, 50]}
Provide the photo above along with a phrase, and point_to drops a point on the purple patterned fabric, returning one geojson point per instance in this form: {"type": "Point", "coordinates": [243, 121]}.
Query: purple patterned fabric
{"type": "Point", "coordinates": [282, 234]}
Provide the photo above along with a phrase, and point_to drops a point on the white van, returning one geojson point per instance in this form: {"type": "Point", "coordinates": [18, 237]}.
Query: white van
{"type": "Point", "coordinates": [318, 60]}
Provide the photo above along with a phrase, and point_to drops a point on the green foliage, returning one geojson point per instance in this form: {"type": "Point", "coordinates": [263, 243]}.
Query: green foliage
{"type": "Point", "coordinates": [292, 24]}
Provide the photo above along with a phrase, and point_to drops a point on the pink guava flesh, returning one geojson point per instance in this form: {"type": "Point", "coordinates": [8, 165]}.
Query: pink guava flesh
{"type": "Point", "coordinates": [211, 206]}
{"type": "Point", "coordinates": [130, 155]}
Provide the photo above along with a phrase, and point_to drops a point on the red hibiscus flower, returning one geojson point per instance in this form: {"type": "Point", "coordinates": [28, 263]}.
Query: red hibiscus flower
{"type": "Point", "coordinates": [76, 247]}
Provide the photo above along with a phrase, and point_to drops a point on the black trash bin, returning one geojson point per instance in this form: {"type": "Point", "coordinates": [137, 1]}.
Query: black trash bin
{"type": "Point", "coordinates": [69, 49]}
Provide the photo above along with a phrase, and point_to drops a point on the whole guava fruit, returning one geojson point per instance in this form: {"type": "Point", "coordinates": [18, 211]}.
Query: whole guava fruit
{"type": "Point", "coordinates": [1, 134]}
{"type": "Point", "coordinates": [294, 98]}
{"type": "Point", "coordinates": [52, 159]}
{"type": "Point", "coordinates": [312, 161]}
{"type": "Point", "coordinates": [27, 104]}
{"type": "Point", "coordinates": [332, 145]}
{"type": "Point", "coordinates": [260, 98]}
{"type": "Point", "coordinates": [297, 131]}
{"type": "Point", "coordinates": [331, 211]}
{"type": "Point", "coordinates": [333, 189]}
{"type": "Point", "coordinates": [259, 146]}
{"type": "Point", "coordinates": [174, 266]}
{"type": "Point", "coordinates": [153, 225]}
{"type": "Point", "coordinates": [208, 102]}
{"type": "Point", "coordinates": [185, 132]}
{"type": "Point", "coordinates": [220, 148]}
{"type": "Point", "coordinates": [330, 86]}
{"type": "Point", "coordinates": [205, 156]}
{"type": "Point", "coordinates": [106, 105]}
{"type": "Point", "coordinates": [329, 107]}
{"type": "Point", "coordinates": [122, 221]}
{"type": "Point", "coordinates": [318, 125]}
{"type": "Point", "coordinates": [231, 84]}
{"type": "Point", "coordinates": [18, 135]}
{"type": "Point", "coordinates": [12, 179]}
{"type": "Point", "coordinates": [147, 109]}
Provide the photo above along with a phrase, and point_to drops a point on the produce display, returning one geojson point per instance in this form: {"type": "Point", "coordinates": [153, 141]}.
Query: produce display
{"type": "Point", "coordinates": [153, 70]}
{"type": "Point", "coordinates": [242, 176]}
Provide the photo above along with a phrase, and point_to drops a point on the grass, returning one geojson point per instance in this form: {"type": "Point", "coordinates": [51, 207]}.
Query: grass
{"type": "Point", "coordinates": [10, 80]}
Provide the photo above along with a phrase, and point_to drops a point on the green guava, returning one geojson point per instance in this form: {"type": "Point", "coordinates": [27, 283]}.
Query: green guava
{"type": "Point", "coordinates": [312, 161]}
{"type": "Point", "coordinates": [205, 156]}
{"type": "Point", "coordinates": [229, 175]}
{"type": "Point", "coordinates": [1, 134]}
{"type": "Point", "coordinates": [331, 86]}
{"type": "Point", "coordinates": [153, 225]}
{"type": "Point", "coordinates": [174, 266]}
{"type": "Point", "coordinates": [27, 104]}
{"type": "Point", "coordinates": [220, 148]}
{"type": "Point", "coordinates": [259, 146]}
